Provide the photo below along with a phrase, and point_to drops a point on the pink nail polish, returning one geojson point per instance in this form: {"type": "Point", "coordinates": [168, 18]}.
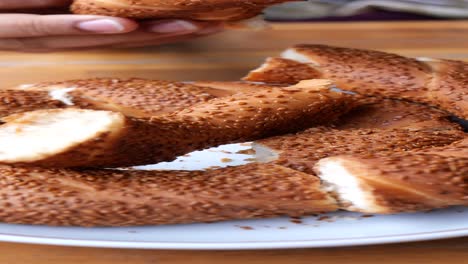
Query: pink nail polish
{"type": "Point", "coordinates": [108, 26]}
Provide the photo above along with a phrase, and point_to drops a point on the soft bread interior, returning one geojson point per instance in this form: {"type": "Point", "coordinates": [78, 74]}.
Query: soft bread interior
{"type": "Point", "coordinates": [38, 134]}
{"type": "Point", "coordinates": [264, 67]}
{"type": "Point", "coordinates": [292, 54]}
{"type": "Point", "coordinates": [62, 95]}
{"type": "Point", "coordinates": [346, 187]}
{"type": "Point", "coordinates": [336, 180]}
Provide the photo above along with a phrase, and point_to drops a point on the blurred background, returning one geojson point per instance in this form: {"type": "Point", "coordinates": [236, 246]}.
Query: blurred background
{"type": "Point", "coordinates": [362, 10]}
{"type": "Point", "coordinates": [415, 28]}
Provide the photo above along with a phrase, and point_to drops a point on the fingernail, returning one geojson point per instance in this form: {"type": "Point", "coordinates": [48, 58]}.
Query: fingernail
{"type": "Point", "coordinates": [172, 27]}
{"type": "Point", "coordinates": [101, 26]}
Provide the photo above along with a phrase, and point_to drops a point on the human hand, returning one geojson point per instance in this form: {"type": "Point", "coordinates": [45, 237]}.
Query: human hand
{"type": "Point", "coordinates": [42, 33]}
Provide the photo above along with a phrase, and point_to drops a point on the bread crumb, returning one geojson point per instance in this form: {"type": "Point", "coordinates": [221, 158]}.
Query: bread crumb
{"type": "Point", "coordinates": [367, 216]}
{"type": "Point", "coordinates": [324, 218]}
{"type": "Point", "coordinates": [296, 221]}
{"type": "Point", "coordinates": [245, 227]}
{"type": "Point", "coordinates": [246, 152]}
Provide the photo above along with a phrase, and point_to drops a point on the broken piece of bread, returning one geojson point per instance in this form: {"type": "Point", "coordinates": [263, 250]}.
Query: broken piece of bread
{"type": "Point", "coordinates": [111, 139]}
{"type": "Point", "coordinates": [436, 82]}
{"type": "Point", "coordinates": [207, 10]}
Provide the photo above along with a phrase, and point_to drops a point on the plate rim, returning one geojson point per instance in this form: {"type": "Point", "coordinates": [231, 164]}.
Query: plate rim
{"type": "Point", "coordinates": [251, 245]}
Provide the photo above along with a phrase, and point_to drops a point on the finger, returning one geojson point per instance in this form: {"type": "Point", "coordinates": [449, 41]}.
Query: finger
{"type": "Point", "coordinates": [169, 26]}
{"type": "Point", "coordinates": [204, 32]}
{"type": "Point", "coordinates": [22, 25]}
{"type": "Point", "coordinates": [16, 4]}
{"type": "Point", "coordinates": [83, 41]}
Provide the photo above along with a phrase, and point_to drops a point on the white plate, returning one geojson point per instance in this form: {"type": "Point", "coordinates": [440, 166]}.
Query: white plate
{"type": "Point", "coordinates": [330, 230]}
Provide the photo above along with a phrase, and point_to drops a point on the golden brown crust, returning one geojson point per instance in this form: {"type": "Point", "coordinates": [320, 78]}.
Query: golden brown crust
{"type": "Point", "coordinates": [62, 197]}
{"type": "Point", "coordinates": [301, 151]}
{"type": "Point", "coordinates": [133, 97]}
{"type": "Point", "coordinates": [440, 83]}
{"type": "Point", "coordinates": [407, 182]}
{"type": "Point", "coordinates": [451, 80]}
{"type": "Point", "coordinates": [219, 10]}
{"type": "Point", "coordinates": [283, 71]}
{"type": "Point", "coordinates": [369, 72]}
{"type": "Point", "coordinates": [393, 114]}
{"type": "Point", "coordinates": [239, 118]}
{"type": "Point", "coordinates": [456, 149]}
{"type": "Point", "coordinates": [234, 87]}
{"type": "Point", "coordinates": [377, 128]}
{"type": "Point", "coordinates": [13, 102]}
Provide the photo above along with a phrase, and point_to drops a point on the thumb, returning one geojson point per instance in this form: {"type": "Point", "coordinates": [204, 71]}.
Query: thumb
{"type": "Point", "coordinates": [22, 25]}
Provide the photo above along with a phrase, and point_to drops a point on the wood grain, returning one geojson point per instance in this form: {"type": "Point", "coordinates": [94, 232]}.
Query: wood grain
{"type": "Point", "coordinates": [227, 57]}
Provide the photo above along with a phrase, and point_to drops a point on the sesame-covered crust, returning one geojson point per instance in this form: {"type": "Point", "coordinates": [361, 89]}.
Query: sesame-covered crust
{"type": "Point", "coordinates": [378, 128]}
{"type": "Point", "coordinates": [133, 97]}
{"type": "Point", "coordinates": [440, 83]}
{"type": "Point", "coordinates": [217, 10]}
{"type": "Point", "coordinates": [449, 86]}
{"type": "Point", "coordinates": [301, 151]}
{"type": "Point", "coordinates": [283, 71]}
{"type": "Point", "coordinates": [235, 86]}
{"type": "Point", "coordinates": [411, 181]}
{"type": "Point", "coordinates": [13, 101]}
{"type": "Point", "coordinates": [62, 197]}
{"type": "Point", "coordinates": [456, 149]}
{"type": "Point", "coordinates": [237, 118]}
{"type": "Point", "coordinates": [367, 71]}
{"type": "Point", "coordinates": [391, 114]}
{"type": "Point", "coordinates": [404, 156]}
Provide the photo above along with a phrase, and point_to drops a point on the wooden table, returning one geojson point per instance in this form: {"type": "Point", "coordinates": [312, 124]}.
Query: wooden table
{"type": "Point", "coordinates": [228, 56]}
